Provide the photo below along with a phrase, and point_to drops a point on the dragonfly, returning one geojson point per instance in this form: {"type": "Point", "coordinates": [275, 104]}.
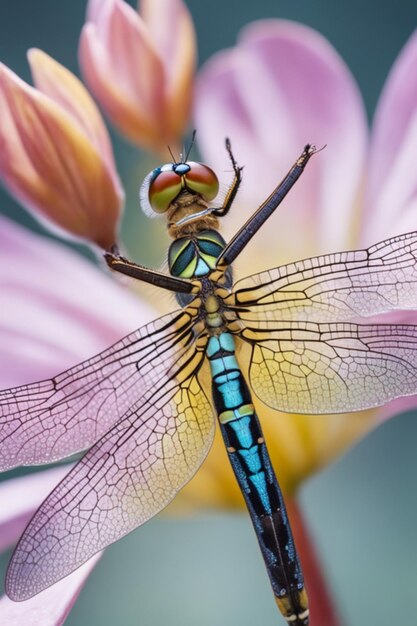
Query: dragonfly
{"type": "Point", "coordinates": [293, 336]}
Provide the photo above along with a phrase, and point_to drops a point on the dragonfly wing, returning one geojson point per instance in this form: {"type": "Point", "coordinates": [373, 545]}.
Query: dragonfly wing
{"type": "Point", "coordinates": [133, 472]}
{"type": "Point", "coordinates": [340, 286]}
{"type": "Point", "coordinates": [52, 419]}
{"type": "Point", "coordinates": [332, 368]}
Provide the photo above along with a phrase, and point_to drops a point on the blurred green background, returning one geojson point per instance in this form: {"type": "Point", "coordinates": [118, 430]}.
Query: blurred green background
{"type": "Point", "coordinates": [362, 511]}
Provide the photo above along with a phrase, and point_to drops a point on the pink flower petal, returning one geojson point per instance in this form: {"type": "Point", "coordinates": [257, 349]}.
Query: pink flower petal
{"type": "Point", "coordinates": [135, 62]}
{"type": "Point", "coordinates": [56, 307]}
{"type": "Point", "coordinates": [52, 167]}
{"type": "Point", "coordinates": [124, 71]}
{"type": "Point", "coordinates": [52, 606]}
{"type": "Point", "coordinates": [281, 87]}
{"type": "Point", "coordinates": [140, 67]}
{"type": "Point", "coordinates": [396, 407]}
{"type": "Point", "coordinates": [172, 31]}
{"type": "Point", "coordinates": [19, 499]}
{"type": "Point", "coordinates": [65, 89]}
{"type": "Point", "coordinates": [391, 198]}
{"type": "Point", "coordinates": [98, 9]}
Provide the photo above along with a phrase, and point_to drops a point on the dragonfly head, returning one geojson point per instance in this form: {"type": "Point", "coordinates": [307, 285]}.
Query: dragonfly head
{"type": "Point", "coordinates": [182, 191]}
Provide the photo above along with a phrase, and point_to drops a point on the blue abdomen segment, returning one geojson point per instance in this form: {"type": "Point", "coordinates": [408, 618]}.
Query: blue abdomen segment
{"type": "Point", "coordinates": [251, 464]}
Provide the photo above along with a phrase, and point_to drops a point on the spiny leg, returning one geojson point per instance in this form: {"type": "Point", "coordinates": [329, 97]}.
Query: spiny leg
{"type": "Point", "coordinates": [251, 227]}
{"type": "Point", "coordinates": [234, 187]}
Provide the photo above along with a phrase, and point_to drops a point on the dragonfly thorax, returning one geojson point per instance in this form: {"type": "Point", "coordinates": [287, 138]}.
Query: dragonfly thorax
{"type": "Point", "coordinates": [215, 316]}
{"type": "Point", "coordinates": [195, 255]}
{"type": "Point", "coordinates": [189, 214]}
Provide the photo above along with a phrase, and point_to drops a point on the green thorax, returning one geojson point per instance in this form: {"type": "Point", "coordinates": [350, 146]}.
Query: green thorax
{"type": "Point", "coordinates": [195, 255]}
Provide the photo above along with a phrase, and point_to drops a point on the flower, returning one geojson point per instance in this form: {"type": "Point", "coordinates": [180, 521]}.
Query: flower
{"type": "Point", "coordinates": [55, 153]}
{"type": "Point", "coordinates": [312, 94]}
{"type": "Point", "coordinates": [140, 67]}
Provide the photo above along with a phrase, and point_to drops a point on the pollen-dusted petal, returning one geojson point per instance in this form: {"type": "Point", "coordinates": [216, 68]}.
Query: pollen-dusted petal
{"type": "Point", "coordinates": [284, 86]}
{"type": "Point", "coordinates": [62, 176]}
{"type": "Point", "coordinates": [391, 198]}
{"type": "Point", "coordinates": [125, 72]}
{"type": "Point", "coordinates": [54, 80]}
{"type": "Point", "coordinates": [172, 31]}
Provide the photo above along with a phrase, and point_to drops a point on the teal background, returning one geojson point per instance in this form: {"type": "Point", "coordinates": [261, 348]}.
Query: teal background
{"type": "Point", "coordinates": [362, 511]}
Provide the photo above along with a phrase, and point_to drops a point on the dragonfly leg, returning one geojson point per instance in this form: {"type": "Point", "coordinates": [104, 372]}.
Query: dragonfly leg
{"type": "Point", "coordinates": [234, 187]}
{"type": "Point", "coordinates": [248, 230]}
{"type": "Point", "coordinates": [120, 264]}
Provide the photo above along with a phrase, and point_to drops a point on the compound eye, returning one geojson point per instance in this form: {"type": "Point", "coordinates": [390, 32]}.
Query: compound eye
{"type": "Point", "coordinates": [202, 180]}
{"type": "Point", "coordinates": [163, 190]}
{"type": "Point", "coordinates": [164, 184]}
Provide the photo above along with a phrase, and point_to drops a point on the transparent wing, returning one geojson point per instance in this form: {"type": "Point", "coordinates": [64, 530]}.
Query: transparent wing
{"type": "Point", "coordinates": [52, 419]}
{"type": "Point", "coordinates": [332, 368]}
{"type": "Point", "coordinates": [333, 287]}
{"type": "Point", "coordinates": [127, 477]}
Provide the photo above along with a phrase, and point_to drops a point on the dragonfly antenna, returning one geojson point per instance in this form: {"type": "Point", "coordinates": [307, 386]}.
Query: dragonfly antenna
{"type": "Point", "coordinates": [191, 145]}
{"type": "Point", "coordinates": [172, 156]}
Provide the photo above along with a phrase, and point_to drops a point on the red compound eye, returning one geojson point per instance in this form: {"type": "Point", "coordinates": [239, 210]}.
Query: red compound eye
{"type": "Point", "coordinates": [202, 180]}
{"type": "Point", "coordinates": [163, 190]}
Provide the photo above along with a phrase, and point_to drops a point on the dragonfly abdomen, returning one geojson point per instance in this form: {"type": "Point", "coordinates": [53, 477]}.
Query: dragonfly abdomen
{"type": "Point", "coordinates": [195, 256]}
{"type": "Point", "coordinates": [250, 461]}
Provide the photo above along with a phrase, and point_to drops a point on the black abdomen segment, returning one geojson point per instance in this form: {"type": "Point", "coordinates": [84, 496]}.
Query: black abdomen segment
{"type": "Point", "coordinates": [252, 467]}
